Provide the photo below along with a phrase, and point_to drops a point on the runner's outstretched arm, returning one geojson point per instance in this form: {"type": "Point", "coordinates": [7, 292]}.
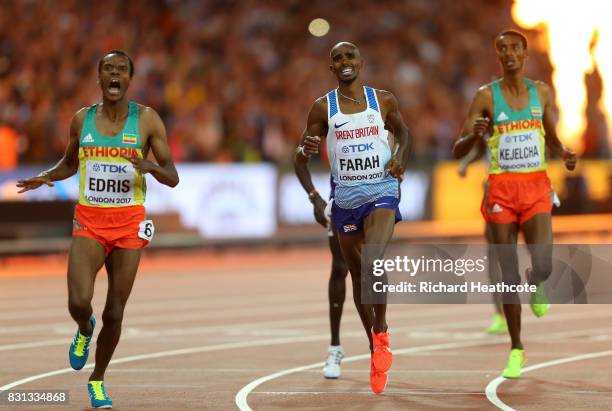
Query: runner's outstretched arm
{"type": "Point", "coordinates": [68, 164]}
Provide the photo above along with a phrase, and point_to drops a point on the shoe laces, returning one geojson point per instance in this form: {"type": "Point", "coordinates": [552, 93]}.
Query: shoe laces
{"type": "Point", "coordinates": [80, 343]}
{"type": "Point", "coordinates": [334, 357]}
{"type": "Point", "coordinates": [381, 341]}
{"type": "Point", "coordinates": [99, 391]}
{"type": "Point", "coordinates": [516, 354]}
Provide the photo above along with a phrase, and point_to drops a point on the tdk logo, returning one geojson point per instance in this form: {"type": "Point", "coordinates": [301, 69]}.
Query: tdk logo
{"type": "Point", "coordinates": [519, 138]}
{"type": "Point", "coordinates": [360, 148]}
{"type": "Point", "coordinates": [110, 168]}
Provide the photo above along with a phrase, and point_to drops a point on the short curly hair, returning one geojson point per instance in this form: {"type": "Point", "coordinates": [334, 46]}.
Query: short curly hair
{"type": "Point", "coordinates": [121, 53]}
{"type": "Point", "coordinates": [512, 32]}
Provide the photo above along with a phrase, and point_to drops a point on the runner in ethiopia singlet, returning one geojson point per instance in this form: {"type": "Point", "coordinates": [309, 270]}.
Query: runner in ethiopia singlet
{"type": "Point", "coordinates": [517, 144]}
{"type": "Point", "coordinates": [111, 192]}
{"type": "Point", "coordinates": [108, 146]}
{"type": "Point", "coordinates": [106, 178]}
{"type": "Point", "coordinates": [518, 187]}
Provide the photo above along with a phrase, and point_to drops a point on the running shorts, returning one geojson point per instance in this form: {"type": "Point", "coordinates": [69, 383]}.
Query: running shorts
{"type": "Point", "coordinates": [120, 227]}
{"type": "Point", "coordinates": [516, 197]}
{"type": "Point", "coordinates": [350, 221]}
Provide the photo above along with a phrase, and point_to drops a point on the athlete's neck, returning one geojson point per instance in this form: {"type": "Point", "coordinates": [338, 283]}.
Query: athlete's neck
{"type": "Point", "coordinates": [514, 82]}
{"type": "Point", "coordinates": [115, 110]}
{"type": "Point", "coordinates": [353, 90]}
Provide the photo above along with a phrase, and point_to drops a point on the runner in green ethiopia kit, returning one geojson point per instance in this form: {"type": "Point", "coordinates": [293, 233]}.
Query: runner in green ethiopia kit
{"type": "Point", "coordinates": [517, 113]}
{"type": "Point", "coordinates": [108, 144]}
{"type": "Point", "coordinates": [106, 178]}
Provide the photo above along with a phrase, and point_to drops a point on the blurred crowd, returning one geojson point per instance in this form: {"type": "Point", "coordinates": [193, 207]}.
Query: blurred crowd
{"type": "Point", "coordinates": [234, 79]}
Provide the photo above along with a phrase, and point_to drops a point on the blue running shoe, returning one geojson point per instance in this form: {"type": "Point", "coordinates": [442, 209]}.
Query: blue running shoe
{"type": "Point", "coordinates": [98, 396]}
{"type": "Point", "coordinates": [79, 349]}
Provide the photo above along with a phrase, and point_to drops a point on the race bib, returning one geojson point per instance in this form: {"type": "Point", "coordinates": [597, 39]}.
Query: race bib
{"type": "Point", "coordinates": [109, 183]}
{"type": "Point", "coordinates": [146, 230]}
{"type": "Point", "coordinates": [360, 161]}
{"type": "Point", "coordinates": [520, 151]}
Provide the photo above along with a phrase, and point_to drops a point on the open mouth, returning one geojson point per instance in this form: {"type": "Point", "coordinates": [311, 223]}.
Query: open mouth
{"type": "Point", "coordinates": [114, 87]}
{"type": "Point", "coordinates": [347, 71]}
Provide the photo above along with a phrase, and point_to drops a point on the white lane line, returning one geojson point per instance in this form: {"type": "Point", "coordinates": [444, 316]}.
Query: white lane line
{"type": "Point", "coordinates": [132, 332]}
{"type": "Point", "coordinates": [421, 332]}
{"type": "Point", "coordinates": [144, 307]}
{"type": "Point", "coordinates": [268, 342]}
{"type": "Point", "coordinates": [491, 389]}
{"type": "Point", "coordinates": [226, 346]}
{"type": "Point", "coordinates": [275, 341]}
{"type": "Point", "coordinates": [387, 392]}
{"type": "Point", "coordinates": [36, 344]}
{"type": "Point", "coordinates": [241, 396]}
{"type": "Point", "coordinates": [260, 370]}
{"type": "Point", "coordinates": [195, 313]}
{"type": "Point", "coordinates": [172, 353]}
{"type": "Point", "coordinates": [186, 351]}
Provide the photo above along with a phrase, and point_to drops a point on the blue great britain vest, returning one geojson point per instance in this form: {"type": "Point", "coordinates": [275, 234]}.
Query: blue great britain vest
{"type": "Point", "coordinates": [358, 149]}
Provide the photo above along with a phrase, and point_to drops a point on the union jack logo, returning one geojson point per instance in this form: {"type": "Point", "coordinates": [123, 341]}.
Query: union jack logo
{"type": "Point", "coordinates": [349, 227]}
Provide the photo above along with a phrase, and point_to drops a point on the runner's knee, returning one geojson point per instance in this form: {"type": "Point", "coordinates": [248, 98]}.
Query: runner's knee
{"type": "Point", "coordinates": [339, 270]}
{"type": "Point", "coordinates": [113, 314]}
{"type": "Point", "coordinates": [79, 307]}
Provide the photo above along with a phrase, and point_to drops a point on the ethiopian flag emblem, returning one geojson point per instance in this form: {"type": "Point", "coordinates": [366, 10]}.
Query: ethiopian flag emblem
{"type": "Point", "coordinates": [132, 139]}
{"type": "Point", "coordinates": [536, 111]}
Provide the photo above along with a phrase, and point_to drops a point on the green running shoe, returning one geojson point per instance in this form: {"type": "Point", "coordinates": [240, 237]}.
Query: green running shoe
{"type": "Point", "coordinates": [516, 360]}
{"type": "Point", "coordinates": [498, 326]}
{"type": "Point", "coordinates": [538, 301]}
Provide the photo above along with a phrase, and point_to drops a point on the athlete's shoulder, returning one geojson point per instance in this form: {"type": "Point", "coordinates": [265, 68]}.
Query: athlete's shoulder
{"type": "Point", "coordinates": [385, 97]}
{"type": "Point", "coordinates": [320, 105]}
{"type": "Point", "coordinates": [79, 117]}
{"type": "Point", "coordinates": [146, 110]}
{"type": "Point", "coordinates": [486, 89]}
{"type": "Point", "coordinates": [542, 86]}
{"type": "Point", "coordinates": [484, 95]}
{"type": "Point", "coordinates": [544, 92]}
{"type": "Point", "coordinates": [147, 113]}
{"type": "Point", "coordinates": [322, 101]}
{"type": "Point", "coordinates": [82, 112]}
{"type": "Point", "coordinates": [381, 92]}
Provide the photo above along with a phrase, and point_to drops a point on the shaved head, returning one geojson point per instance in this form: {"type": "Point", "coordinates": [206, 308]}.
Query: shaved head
{"type": "Point", "coordinates": [344, 44]}
{"type": "Point", "coordinates": [345, 62]}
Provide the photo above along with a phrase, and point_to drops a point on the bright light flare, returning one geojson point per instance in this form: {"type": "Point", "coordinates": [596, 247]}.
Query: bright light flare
{"type": "Point", "coordinates": [569, 27]}
{"type": "Point", "coordinates": [318, 27]}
